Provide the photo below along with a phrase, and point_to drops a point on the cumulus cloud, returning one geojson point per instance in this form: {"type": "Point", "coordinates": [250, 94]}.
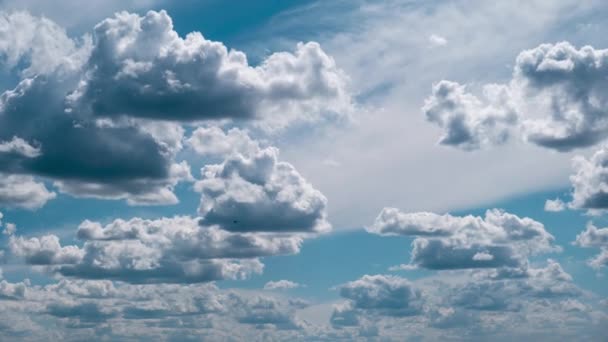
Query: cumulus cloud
{"type": "Point", "coordinates": [594, 237]}
{"type": "Point", "coordinates": [84, 156]}
{"type": "Point", "coordinates": [19, 191]}
{"type": "Point", "coordinates": [441, 242]}
{"type": "Point", "coordinates": [213, 141]}
{"type": "Point", "coordinates": [557, 92]}
{"type": "Point", "coordinates": [388, 295]}
{"type": "Point", "coordinates": [437, 40]}
{"type": "Point", "coordinates": [102, 117]}
{"type": "Point", "coordinates": [590, 181]}
{"type": "Point", "coordinates": [164, 311]}
{"type": "Point", "coordinates": [173, 78]}
{"type": "Point", "coordinates": [281, 285]}
{"type": "Point", "coordinates": [260, 193]}
{"type": "Point", "coordinates": [500, 291]}
{"type": "Point", "coordinates": [467, 121]}
{"type": "Point", "coordinates": [167, 250]}
{"type": "Point", "coordinates": [40, 44]}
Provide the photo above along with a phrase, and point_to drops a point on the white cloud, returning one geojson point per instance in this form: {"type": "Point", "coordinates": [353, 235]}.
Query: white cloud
{"type": "Point", "coordinates": [555, 205]}
{"type": "Point", "coordinates": [40, 44]}
{"type": "Point", "coordinates": [437, 40]}
{"type": "Point", "coordinates": [23, 192]}
{"type": "Point", "coordinates": [143, 56]}
{"type": "Point", "coordinates": [468, 122]}
{"type": "Point", "coordinates": [590, 181]}
{"type": "Point", "coordinates": [281, 285]}
{"type": "Point", "coordinates": [213, 141]}
{"type": "Point", "coordinates": [172, 250]}
{"type": "Point", "coordinates": [593, 237]}
{"type": "Point", "coordinates": [556, 91]}
{"type": "Point", "coordinates": [260, 193]}
{"type": "Point", "coordinates": [499, 239]}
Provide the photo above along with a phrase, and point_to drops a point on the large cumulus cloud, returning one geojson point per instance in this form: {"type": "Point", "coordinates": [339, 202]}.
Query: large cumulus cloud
{"type": "Point", "coordinates": [556, 99]}
{"type": "Point", "coordinates": [442, 242]}
{"type": "Point", "coordinates": [141, 67]}
{"type": "Point", "coordinates": [257, 192]}
{"type": "Point", "coordinates": [167, 250]}
{"type": "Point", "coordinates": [101, 117]}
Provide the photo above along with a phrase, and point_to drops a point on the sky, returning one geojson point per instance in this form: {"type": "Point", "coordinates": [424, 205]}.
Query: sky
{"type": "Point", "coordinates": [303, 170]}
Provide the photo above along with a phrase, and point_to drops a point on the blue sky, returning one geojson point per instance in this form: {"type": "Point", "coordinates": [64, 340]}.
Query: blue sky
{"type": "Point", "coordinates": [303, 170]}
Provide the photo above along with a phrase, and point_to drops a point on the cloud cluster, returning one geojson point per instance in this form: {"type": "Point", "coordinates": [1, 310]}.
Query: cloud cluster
{"type": "Point", "coordinates": [140, 67]}
{"type": "Point", "coordinates": [281, 285]}
{"type": "Point", "coordinates": [594, 237]}
{"type": "Point", "coordinates": [257, 192]}
{"type": "Point", "coordinates": [469, 123]}
{"type": "Point", "coordinates": [166, 250]}
{"type": "Point", "coordinates": [389, 295]}
{"type": "Point", "coordinates": [590, 181]}
{"type": "Point", "coordinates": [469, 305]}
{"type": "Point", "coordinates": [95, 309]}
{"type": "Point", "coordinates": [446, 242]}
{"type": "Point", "coordinates": [102, 116]}
{"type": "Point", "coordinates": [556, 98]}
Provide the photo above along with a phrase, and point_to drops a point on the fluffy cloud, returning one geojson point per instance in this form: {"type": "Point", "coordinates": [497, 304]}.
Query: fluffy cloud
{"type": "Point", "coordinates": [40, 44]}
{"type": "Point", "coordinates": [102, 118]}
{"type": "Point", "coordinates": [452, 242]}
{"type": "Point", "coordinates": [192, 78]}
{"type": "Point", "coordinates": [468, 122]}
{"type": "Point", "coordinates": [508, 291]}
{"type": "Point", "coordinates": [85, 309]}
{"type": "Point", "coordinates": [593, 237]}
{"type": "Point", "coordinates": [557, 91]}
{"type": "Point", "coordinates": [281, 285]}
{"type": "Point", "coordinates": [388, 295]}
{"type": "Point", "coordinates": [260, 193]}
{"type": "Point", "coordinates": [167, 250]}
{"type": "Point", "coordinates": [23, 192]}
{"type": "Point", "coordinates": [213, 141]}
{"type": "Point", "coordinates": [590, 181]}
{"type": "Point", "coordinates": [568, 86]}
{"type": "Point", "coordinates": [86, 157]}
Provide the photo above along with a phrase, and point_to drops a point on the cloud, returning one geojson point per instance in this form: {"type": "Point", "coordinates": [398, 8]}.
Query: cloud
{"type": "Point", "coordinates": [555, 205]}
{"type": "Point", "coordinates": [569, 83]}
{"type": "Point", "coordinates": [213, 141]}
{"type": "Point", "coordinates": [590, 181]}
{"type": "Point", "coordinates": [281, 285]}
{"type": "Point", "coordinates": [128, 162]}
{"type": "Point", "coordinates": [9, 229]}
{"type": "Point", "coordinates": [166, 250]}
{"type": "Point", "coordinates": [437, 40]}
{"type": "Point", "coordinates": [68, 119]}
{"type": "Point", "coordinates": [388, 295]}
{"type": "Point", "coordinates": [442, 242]}
{"type": "Point", "coordinates": [18, 191]}
{"type": "Point", "coordinates": [344, 315]}
{"type": "Point", "coordinates": [187, 79]}
{"type": "Point", "coordinates": [593, 237]}
{"type": "Point", "coordinates": [154, 310]}
{"type": "Point", "coordinates": [468, 122]}
{"type": "Point", "coordinates": [45, 250]}
{"type": "Point", "coordinates": [503, 293]}
{"type": "Point", "coordinates": [38, 43]}
{"type": "Point", "coordinates": [556, 91]}
{"type": "Point", "coordinates": [20, 147]}
{"type": "Point", "coordinates": [260, 193]}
